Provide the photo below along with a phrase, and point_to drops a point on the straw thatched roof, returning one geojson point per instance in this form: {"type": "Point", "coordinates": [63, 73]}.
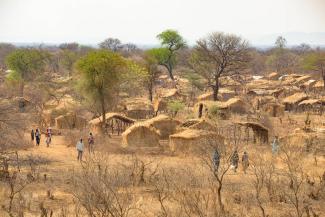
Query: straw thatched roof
{"type": "Point", "coordinates": [70, 121]}
{"type": "Point", "coordinates": [194, 141]}
{"type": "Point", "coordinates": [140, 135]}
{"type": "Point", "coordinates": [309, 83]}
{"type": "Point", "coordinates": [110, 116]}
{"type": "Point", "coordinates": [236, 105]}
{"type": "Point", "coordinates": [302, 79]}
{"type": "Point", "coordinates": [190, 122]}
{"type": "Point", "coordinates": [253, 125]}
{"type": "Point", "coordinates": [204, 124]}
{"type": "Point", "coordinates": [319, 85]}
{"type": "Point", "coordinates": [224, 93]}
{"type": "Point", "coordinates": [164, 124]}
{"type": "Point", "coordinates": [310, 102]}
{"type": "Point", "coordinates": [295, 98]}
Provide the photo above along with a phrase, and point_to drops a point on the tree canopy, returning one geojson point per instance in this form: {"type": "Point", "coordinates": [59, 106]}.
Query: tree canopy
{"type": "Point", "coordinates": [99, 73]}
{"type": "Point", "coordinates": [219, 54]}
{"type": "Point", "coordinates": [26, 64]}
{"type": "Point", "coordinates": [171, 41]}
{"type": "Point", "coordinates": [113, 44]}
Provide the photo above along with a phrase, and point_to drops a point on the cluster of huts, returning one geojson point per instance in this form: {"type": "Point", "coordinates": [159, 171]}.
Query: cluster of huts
{"type": "Point", "coordinates": [142, 123]}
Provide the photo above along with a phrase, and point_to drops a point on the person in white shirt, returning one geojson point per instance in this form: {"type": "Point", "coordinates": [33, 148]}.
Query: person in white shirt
{"type": "Point", "coordinates": [80, 149]}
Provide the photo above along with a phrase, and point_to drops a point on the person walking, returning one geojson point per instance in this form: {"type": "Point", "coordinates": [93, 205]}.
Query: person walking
{"type": "Point", "coordinates": [48, 137]}
{"type": "Point", "coordinates": [80, 149]}
{"type": "Point", "coordinates": [37, 137]}
{"type": "Point", "coordinates": [32, 135]}
{"type": "Point", "coordinates": [245, 161]}
{"type": "Point", "coordinates": [235, 160]}
{"type": "Point", "coordinates": [91, 142]}
{"type": "Point", "coordinates": [216, 160]}
{"type": "Point", "coordinates": [275, 145]}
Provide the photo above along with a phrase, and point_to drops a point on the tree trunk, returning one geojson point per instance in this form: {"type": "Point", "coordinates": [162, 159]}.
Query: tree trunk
{"type": "Point", "coordinates": [324, 79]}
{"type": "Point", "coordinates": [221, 206]}
{"type": "Point", "coordinates": [170, 71]}
{"type": "Point", "coordinates": [21, 88]}
{"type": "Point", "coordinates": [150, 92]}
{"type": "Point", "coordinates": [102, 101]}
{"type": "Point", "coordinates": [216, 89]}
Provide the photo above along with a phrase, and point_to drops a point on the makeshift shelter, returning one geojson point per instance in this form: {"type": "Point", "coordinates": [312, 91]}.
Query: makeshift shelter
{"type": "Point", "coordinates": [195, 141]}
{"type": "Point", "coordinates": [164, 125]}
{"type": "Point", "coordinates": [138, 108]}
{"type": "Point", "coordinates": [292, 101]}
{"type": "Point", "coordinates": [318, 86]}
{"type": "Point", "coordinates": [140, 135]}
{"type": "Point", "coordinates": [257, 92]}
{"type": "Point", "coordinates": [190, 122]}
{"type": "Point", "coordinates": [302, 79]}
{"type": "Point", "coordinates": [223, 94]}
{"type": "Point", "coordinates": [268, 104]}
{"type": "Point", "coordinates": [311, 105]}
{"type": "Point", "coordinates": [260, 132]}
{"type": "Point", "coordinates": [70, 121]}
{"type": "Point", "coordinates": [234, 105]}
{"type": "Point", "coordinates": [308, 84]}
{"type": "Point", "coordinates": [160, 102]}
{"type": "Point", "coordinates": [204, 124]}
{"type": "Point", "coordinates": [115, 122]}
{"type": "Point", "coordinates": [277, 92]}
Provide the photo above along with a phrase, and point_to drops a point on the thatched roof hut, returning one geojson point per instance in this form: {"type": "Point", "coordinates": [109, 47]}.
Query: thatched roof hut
{"type": "Point", "coordinates": [164, 125]}
{"type": "Point", "coordinates": [261, 133]}
{"type": "Point", "coordinates": [233, 105]}
{"type": "Point", "coordinates": [70, 121]}
{"type": "Point", "coordinates": [141, 135]}
{"type": "Point", "coordinates": [308, 84]}
{"type": "Point", "coordinates": [302, 79]}
{"type": "Point", "coordinates": [204, 124]}
{"type": "Point", "coordinates": [138, 108]}
{"type": "Point", "coordinates": [160, 102]}
{"type": "Point", "coordinates": [319, 85]}
{"type": "Point", "coordinates": [194, 141]}
{"type": "Point", "coordinates": [223, 94]}
{"type": "Point", "coordinates": [190, 122]}
{"type": "Point", "coordinates": [291, 101]}
{"type": "Point", "coordinates": [114, 121]}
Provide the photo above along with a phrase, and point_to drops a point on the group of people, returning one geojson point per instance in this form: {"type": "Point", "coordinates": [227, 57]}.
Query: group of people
{"type": "Point", "coordinates": [234, 160]}
{"type": "Point", "coordinates": [36, 135]}
{"type": "Point", "coordinates": [80, 146]}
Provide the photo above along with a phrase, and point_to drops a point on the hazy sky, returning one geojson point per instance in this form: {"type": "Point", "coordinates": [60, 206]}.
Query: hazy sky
{"type": "Point", "coordinates": [139, 21]}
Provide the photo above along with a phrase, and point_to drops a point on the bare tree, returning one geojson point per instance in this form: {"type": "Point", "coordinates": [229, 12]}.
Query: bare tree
{"type": "Point", "coordinates": [218, 55]}
{"type": "Point", "coordinates": [103, 191]}
{"type": "Point", "coordinates": [112, 44]}
{"type": "Point", "coordinates": [263, 170]}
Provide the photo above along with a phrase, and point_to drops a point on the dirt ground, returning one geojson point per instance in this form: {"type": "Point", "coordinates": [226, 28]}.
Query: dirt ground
{"type": "Point", "coordinates": [61, 163]}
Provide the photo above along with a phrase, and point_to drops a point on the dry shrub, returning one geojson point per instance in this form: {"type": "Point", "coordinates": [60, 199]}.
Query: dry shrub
{"type": "Point", "coordinates": [103, 190]}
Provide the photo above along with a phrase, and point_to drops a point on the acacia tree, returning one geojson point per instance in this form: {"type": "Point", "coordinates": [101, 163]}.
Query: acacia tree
{"type": "Point", "coordinates": [99, 73]}
{"type": "Point", "coordinates": [171, 41]}
{"type": "Point", "coordinates": [316, 62]}
{"type": "Point", "coordinates": [26, 65]}
{"type": "Point", "coordinates": [113, 44]}
{"type": "Point", "coordinates": [217, 55]}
